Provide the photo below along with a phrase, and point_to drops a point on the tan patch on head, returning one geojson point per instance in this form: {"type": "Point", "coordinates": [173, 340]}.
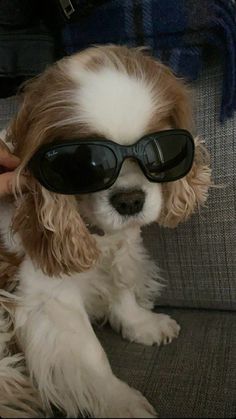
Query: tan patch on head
{"type": "Point", "coordinates": [46, 114]}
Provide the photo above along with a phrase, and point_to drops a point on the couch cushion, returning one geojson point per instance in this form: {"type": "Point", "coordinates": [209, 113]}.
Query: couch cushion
{"type": "Point", "coordinates": [194, 376]}
{"type": "Point", "coordinates": [8, 108]}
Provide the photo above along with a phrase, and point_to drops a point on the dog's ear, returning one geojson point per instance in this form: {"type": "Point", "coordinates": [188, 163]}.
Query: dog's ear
{"type": "Point", "coordinates": [53, 233]}
{"type": "Point", "coordinates": [183, 196]}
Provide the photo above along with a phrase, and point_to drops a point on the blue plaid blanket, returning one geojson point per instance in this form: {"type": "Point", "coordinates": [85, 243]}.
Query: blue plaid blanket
{"type": "Point", "coordinates": [180, 32]}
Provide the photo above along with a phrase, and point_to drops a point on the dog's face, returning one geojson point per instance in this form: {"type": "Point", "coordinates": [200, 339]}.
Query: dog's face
{"type": "Point", "coordinates": [132, 200]}
{"type": "Point", "coordinates": [119, 107]}
{"type": "Point", "coordinates": [121, 95]}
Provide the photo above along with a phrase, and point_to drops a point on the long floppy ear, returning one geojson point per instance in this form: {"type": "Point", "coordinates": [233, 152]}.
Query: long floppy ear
{"type": "Point", "coordinates": [184, 196]}
{"type": "Point", "coordinates": [53, 233]}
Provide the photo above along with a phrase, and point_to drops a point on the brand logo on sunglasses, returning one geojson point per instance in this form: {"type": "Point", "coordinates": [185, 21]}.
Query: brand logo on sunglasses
{"type": "Point", "coordinates": [52, 153]}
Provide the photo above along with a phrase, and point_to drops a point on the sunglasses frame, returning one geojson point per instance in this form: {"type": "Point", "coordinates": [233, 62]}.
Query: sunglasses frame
{"type": "Point", "coordinates": [120, 153]}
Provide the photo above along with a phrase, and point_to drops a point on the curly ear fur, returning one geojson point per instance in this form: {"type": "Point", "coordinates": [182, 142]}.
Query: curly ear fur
{"type": "Point", "coordinates": [185, 195]}
{"type": "Point", "coordinates": [53, 233]}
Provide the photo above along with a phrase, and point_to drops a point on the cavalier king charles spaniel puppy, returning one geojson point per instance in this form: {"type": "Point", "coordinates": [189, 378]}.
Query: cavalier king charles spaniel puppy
{"type": "Point", "coordinates": [106, 147]}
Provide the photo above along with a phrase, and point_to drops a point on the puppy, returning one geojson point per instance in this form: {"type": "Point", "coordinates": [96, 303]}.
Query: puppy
{"type": "Point", "coordinates": [81, 254]}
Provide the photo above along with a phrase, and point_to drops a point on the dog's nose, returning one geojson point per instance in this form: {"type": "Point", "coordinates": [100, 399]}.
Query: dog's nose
{"type": "Point", "coordinates": [128, 203]}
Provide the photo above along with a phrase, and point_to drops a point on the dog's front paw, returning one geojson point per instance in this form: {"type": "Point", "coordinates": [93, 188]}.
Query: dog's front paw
{"type": "Point", "coordinates": [151, 328]}
{"type": "Point", "coordinates": [127, 402]}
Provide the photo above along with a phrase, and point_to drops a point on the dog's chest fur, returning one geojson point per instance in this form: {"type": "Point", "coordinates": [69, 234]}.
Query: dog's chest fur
{"type": "Point", "coordinates": [121, 263]}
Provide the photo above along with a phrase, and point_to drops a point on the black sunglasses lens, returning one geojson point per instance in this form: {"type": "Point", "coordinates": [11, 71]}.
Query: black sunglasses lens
{"type": "Point", "coordinates": [168, 157]}
{"type": "Point", "coordinates": [78, 168]}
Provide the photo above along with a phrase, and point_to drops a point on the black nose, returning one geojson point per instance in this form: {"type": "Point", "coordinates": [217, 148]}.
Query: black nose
{"type": "Point", "coordinates": [128, 203]}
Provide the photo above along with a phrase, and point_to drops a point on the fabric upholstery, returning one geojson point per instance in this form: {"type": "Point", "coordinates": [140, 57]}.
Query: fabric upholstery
{"type": "Point", "coordinates": [194, 376]}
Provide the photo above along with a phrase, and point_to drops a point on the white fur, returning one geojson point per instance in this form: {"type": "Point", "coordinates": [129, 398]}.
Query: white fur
{"type": "Point", "coordinates": [97, 206]}
{"type": "Point", "coordinates": [114, 104]}
{"type": "Point", "coordinates": [65, 360]}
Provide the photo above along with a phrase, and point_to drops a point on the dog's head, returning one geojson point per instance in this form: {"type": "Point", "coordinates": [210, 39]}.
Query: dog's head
{"type": "Point", "coordinates": [120, 94]}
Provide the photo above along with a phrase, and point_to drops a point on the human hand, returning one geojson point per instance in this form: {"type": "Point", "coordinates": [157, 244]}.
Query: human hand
{"type": "Point", "coordinates": [8, 162]}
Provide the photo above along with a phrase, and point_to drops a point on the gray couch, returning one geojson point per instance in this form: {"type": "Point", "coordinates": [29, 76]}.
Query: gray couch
{"type": "Point", "coordinates": [195, 376]}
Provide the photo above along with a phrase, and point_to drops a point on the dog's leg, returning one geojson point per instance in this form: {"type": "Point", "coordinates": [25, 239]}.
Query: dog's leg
{"type": "Point", "coordinates": [64, 356]}
{"type": "Point", "coordinates": [138, 324]}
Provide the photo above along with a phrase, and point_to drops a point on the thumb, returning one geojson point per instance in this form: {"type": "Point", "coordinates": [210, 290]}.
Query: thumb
{"type": "Point", "coordinates": [8, 160]}
{"type": "Point", "coordinates": [6, 180]}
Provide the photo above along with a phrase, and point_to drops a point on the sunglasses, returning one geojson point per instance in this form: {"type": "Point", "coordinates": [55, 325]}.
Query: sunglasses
{"type": "Point", "coordinates": [90, 165]}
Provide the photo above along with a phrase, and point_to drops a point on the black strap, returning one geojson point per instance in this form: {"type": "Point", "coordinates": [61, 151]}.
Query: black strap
{"type": "Point", "coordinates": [25, 13]}
{"type": "Point", "coordinates": [72, 10]}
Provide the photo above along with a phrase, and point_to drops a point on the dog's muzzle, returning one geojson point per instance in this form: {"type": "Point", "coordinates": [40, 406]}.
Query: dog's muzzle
{"type": "Point", "coordinates": [128, 202]}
